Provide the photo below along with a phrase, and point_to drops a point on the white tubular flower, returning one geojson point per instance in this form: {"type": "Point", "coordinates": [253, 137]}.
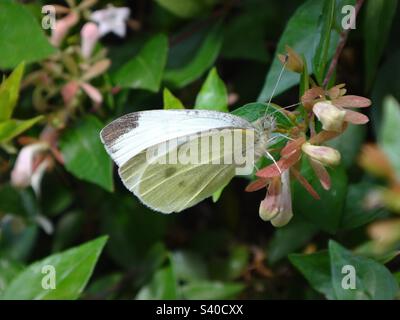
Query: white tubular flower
{"type": "Point", "coordinates": [277, 205]}
{"type": "Point", "coordinates": [331, 117]}
{"type": "Point", "coordinates": [324, 155]}
{"type": "Point", "coordinates": [23, 173]}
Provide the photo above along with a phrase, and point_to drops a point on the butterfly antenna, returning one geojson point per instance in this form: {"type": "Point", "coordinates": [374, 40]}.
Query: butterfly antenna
{"type": "Point", "coordinates": [273, 160]}
{"type": "Point", "coordinates": [277, 82]}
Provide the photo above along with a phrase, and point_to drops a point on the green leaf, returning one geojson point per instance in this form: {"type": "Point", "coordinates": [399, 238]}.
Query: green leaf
{"type": "Point", "coordinates": [8, 270]}
{"type": "Point", "coordinates": [326, 23]}
{"type": "Point", "coordinates": [145, 70]}
{"type": "Point", "coordinates": [290, 238]}
{"type": "Point", "coordinates": [300, 34]}
{"type": "Point", "coordinates": [84, 154]}
{"type": "Point", "coordinates": [9, 92]}
{"type": "Point", "coordinates": [327, 212]}
{"type": "Point", "coordinates": [211, 290]}
{"type": "Point", "coordinates": [203, 58]}
{"type": "Point", "coordinates": [162, 286]}
{"type": "Point", "coordinates": [170, 101]}
{"type": "Point", "coordinates": [315, 268]}
{"type": "Point", "coordinates": [213, 94]}
{"type": "Point", "coordinates": [355, 214]}
{"type": "Point", "coordinates": [389, 138]}
{"type": "Point", "coordinates": [255, 110]}
{"type": "Point", "coordinates": [21, 36]}
{"type": "Point", "coordinates": [9, 129]}
{"type": "Point", "coordinates": [185, 9]}
{"type": "Point", "coordinates": [373, 280]}
{"type": "Point", "coordinates": [380, 14]}
{"type": "Point", "coordinates": [73, 269]}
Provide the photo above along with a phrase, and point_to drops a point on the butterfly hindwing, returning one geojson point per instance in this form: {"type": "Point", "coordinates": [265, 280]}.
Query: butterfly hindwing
{"type": "Point", "coordinates": [173, 187]}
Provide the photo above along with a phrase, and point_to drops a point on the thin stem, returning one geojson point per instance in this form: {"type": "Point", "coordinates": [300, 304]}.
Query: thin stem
{"type": "Point", "coordinates": [342, 42]}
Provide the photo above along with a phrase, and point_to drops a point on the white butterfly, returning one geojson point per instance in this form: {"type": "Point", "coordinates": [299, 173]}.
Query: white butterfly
{"type": "Point", "coordinates": [174, 186]}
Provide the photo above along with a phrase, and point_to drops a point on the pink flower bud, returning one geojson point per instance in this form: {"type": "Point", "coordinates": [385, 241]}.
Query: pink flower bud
{"type": "Point", "coordinates": [92, 92]}
{"type": "Point", "coordinates": [325, 155]}
{"type": "Point", "coordinates": [331, 117]}
{"type": "Point", "coordinates": [89, 36]}
{"type": "Point", "coordinates": [62, 28]}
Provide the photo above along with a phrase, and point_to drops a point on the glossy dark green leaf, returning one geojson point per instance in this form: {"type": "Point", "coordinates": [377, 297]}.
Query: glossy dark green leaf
{"type": "Point", "coordinates": [327, 212]}
{"type": "Point", "coordinates": [255, 110]}
{"type": "Point", "coordinates": [213, 94]}
{"type": "Point", "coordinates": [290, 238]}
{"type": "Point", "coordinates": [17, 25]}
{"type": "Point", "coordinates": [315, 267]}
{"type": "Point", "coordinates": [73, 269]}
{"type": "Point", "coordinates": [211, 290]}
{"type": "Point", "coordinates": [145, 70]}
{"type": "Point", "coordinates": [389, 138]}
{"type": "Point", "coordinates": [373, 280]}
{"type": "Point", "coordinates": [203, 57]}
{"type": "Point", "coordinates": [84, 154]}
{"type": "Point", "coordinates": [326, 23]}
{"type": "Point", "coordinates": [380, 14]}
{"type": "Point", "coordinates": [170, 101]}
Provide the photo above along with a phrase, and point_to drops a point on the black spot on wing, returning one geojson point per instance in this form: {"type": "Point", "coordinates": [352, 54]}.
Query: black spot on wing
{"type": "Point", "coordinates": [119, 127]}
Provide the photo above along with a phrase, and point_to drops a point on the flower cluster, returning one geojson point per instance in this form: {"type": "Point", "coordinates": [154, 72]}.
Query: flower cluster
{"type": "Point", "coordinates": [332, 108]}
{"type": "Point", "coordinates": [65, 79]}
